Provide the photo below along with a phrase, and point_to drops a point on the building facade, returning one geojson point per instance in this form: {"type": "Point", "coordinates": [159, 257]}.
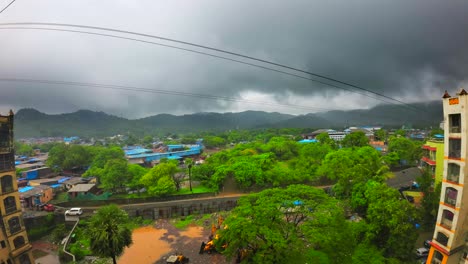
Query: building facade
{"type": "Point", "coordinates": [433, 159]}
{"type": "Point", "coordinates": [451, 231]}
{"type": "Point", "coordinates": [14, 242]}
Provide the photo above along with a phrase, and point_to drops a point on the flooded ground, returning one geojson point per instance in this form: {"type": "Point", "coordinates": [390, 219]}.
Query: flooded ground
{"type": "Point", "coordinates": [154, 244]}
{"type": "Point", "coordinates": [147, 246]}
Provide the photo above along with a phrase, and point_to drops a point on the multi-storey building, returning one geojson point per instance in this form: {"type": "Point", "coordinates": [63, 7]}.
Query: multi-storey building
{"type": "Point", "coordinates": [451, 231]}
{"type": "Point", "coordinates": [14, 243]}
{"type": "Point", "coordinates": [433, 158]}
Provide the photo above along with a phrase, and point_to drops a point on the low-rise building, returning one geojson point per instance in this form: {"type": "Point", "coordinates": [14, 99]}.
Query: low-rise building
{"type": "Point", "coordinates": [83, 188]}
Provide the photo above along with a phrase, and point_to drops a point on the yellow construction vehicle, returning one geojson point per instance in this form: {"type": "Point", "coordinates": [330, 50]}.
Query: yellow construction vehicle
{"type": "Point", "coordinates": [209, 247]}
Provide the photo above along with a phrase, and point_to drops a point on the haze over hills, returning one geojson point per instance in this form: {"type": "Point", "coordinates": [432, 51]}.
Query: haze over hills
{"type": "Point", "coordinates": [85, 123]}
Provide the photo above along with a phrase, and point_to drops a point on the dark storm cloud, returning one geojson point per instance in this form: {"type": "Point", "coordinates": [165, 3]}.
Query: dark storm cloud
{"type": "Point", "coordinates": [410, 50]}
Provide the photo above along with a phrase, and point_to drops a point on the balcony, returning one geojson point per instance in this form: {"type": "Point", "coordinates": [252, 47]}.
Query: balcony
{"type": "Point", "coordinates": [454, 123]}
{"type": "Point", "coordinates": [442, 238]}
{"type": "Point", "coordinates": [447, 219]}
{"type": "Point", "coordinates": [10, 209]}
{"type": "Point", "coordinates": [454, 148]}
{"type": "Point", "coordinates": [453, 172]}
{"type": "Point", "coordinates": [451, 196]}
{"type": "Point", "coordinates": [7, 162]}
{"type": "Point", "coordinates": [429, 161]}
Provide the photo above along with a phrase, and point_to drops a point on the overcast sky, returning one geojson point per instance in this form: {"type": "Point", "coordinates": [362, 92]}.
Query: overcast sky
{"type": "Point", "coordinates": [408, 50]}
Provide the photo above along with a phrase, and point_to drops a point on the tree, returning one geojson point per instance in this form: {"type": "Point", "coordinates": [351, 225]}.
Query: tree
{"type": "Point", "coordinates": [136, 172]}
{"type": "Point", "coordinates": [68, 157]}
{"type": "Point", "coordinates": [355, 140]}
{"type": "Point", "coordinates": [115, 175]}
{"type": "Point", "coordinates": [109, 232]}
{"type": "Point", "coordinates": [324, 139]}
{"type": "Point", "coordinates": [159, 179]}
{"type": "Point", "coordinates": [408, 150]}
{"type": "Point", "coordinates": [390, 219]}
{"type": "Point", "coordinates": [287, 225]}
{"type": "Point", "coordinates": [381, 135]}
{"type": "Point", "coordinates": [23, 149]}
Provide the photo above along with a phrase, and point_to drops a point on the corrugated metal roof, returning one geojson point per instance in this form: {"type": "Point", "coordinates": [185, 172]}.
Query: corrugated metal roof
{"type": "Point", "coordinates": [82, 187]}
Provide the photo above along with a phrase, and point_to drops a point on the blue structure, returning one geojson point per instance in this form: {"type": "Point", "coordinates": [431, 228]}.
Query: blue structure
{"type": "Point", "coordinates": [137, 151]}
{"type": "Point", "coordinates": [308, 141]}
{"type": "Point", "coordinates": [148, 157]}
{"type": "Point", "coordinates": [70, 139]}
{"type": "Point", "coordinates": [25, 189]}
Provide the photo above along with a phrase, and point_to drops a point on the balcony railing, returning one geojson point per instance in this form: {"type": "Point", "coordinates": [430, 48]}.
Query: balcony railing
{"type": "Point", "coordinates": [450, 201]}
{"type": "Point", "coordinates": [455, 129]}
{"type": "Point", "coordinates": [455, 154]}
{"type": "Point", "coordinates": [453, 177]}
{"type": "Point", "coordinates": [446, 223]}
{"type": "Point", "coordinates": [10, 209]}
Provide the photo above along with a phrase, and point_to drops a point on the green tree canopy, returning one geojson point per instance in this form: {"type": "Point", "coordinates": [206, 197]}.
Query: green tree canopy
{"type": "Point", "coordinates": [355, 140]}
{"type": "Point", "coordinates": [159, 179]}
{"type": "Point", "coordinates": [287, 226]}
{"type": "Point", "coordinates": [109, 232]}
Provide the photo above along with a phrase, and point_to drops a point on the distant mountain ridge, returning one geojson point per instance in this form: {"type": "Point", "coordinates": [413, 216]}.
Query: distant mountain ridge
{"type": "Point", "coordinates": [32, 123]}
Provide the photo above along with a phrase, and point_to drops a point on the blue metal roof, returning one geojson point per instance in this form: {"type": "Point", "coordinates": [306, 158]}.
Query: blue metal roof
{"type": "Point", "coordinates": [438, 136]}
{"type": "Point", "coordinates": [137, 151]}
{"type": "Point", "coordinates": [58, 185]}
{"type": "Point", "coordinates": [157, 156]}
{"type": "Point", "coordinates": [174, 157]}
{"type": "Point", "coordinates": [17, 163]}
{"type": "Point", "coordinates": [25, 189]}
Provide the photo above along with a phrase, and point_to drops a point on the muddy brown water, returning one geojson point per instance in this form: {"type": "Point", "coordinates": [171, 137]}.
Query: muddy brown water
{"type": "Point", "coordinates": [147, 246]}
{"type": "Point", "coordinates": [153, 244]}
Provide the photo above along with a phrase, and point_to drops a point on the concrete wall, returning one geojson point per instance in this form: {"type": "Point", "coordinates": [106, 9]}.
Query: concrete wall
{"type": "Point", "coordinates": [180, 208]}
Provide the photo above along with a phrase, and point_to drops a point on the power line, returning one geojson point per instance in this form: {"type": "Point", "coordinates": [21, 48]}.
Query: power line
{"type": "Point", "coordinates": [160, 91]}
{"type": "Point", "coordinates": [209, 48]}
{"type": "Point", "coordinates": [7, 6]}
{"type": "Point", "coordinates": [202, 53]}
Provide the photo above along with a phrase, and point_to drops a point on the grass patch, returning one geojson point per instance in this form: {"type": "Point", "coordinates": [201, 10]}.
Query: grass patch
{"type": "Point", "coordinates": [183, 223]}
{"type": "Point", "coordinates": [198, 220]}
{"type": "Point", "coordinates": [198, 189]}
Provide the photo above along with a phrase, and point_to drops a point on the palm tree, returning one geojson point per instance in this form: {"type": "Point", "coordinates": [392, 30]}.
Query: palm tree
{"type": "Point", "coordinates": [109, 232]}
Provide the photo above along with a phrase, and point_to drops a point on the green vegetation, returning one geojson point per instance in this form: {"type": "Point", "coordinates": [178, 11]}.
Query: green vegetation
{"type": "Point", "coordinates": [108, 232]}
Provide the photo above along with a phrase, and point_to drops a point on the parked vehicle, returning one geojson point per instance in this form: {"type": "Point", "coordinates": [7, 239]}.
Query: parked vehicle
{"type": "Point", "coordinates": [427, 243]}
{"type": "Point", "coordinates": [422, 252]}
{"type": "Point", "coordinates": [74, 211]}
{"type": "Point", "coordinates": [48, 207]}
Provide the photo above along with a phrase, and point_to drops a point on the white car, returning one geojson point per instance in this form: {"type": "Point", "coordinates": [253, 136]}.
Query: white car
{"type": "Point", "coordinates": [422, 252]}
{"type": "Point", "coordinates": [74, 211]}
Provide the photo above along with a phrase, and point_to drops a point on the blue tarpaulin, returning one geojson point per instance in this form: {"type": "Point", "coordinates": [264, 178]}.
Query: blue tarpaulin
{"type": "Point", "coordinates": [308, 141]}
{"type": "Point", "coordinates": [174, 157]}
{"type": "Point", "coordinates": [56, 185]}
{"type": "Point", "coordinates": [63, 179]}
{"type": "Point", "coordinates": [25, 189]}
{"type": "Point", "coordinates": [31, 175]}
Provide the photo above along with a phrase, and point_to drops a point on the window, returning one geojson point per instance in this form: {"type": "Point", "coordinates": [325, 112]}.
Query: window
{"type": "Point", "coordinates": [454, 123]}
{"type": "Point", "coordinates": [10, 204]}
{"type": "Point", "coordinates": [14, 224]}
{"type": "Point", "coordinates": [7, 183]}
{"type": "Point", "coordinates": [451, 196]}
{"type": "Point", "coordinates": [7, 161]}
{"type": "Point", "coordinates": [3, 244]}
{"type": "Point", "coordinates": [447, 219]}
{"type": "Point", "coordinates": [453, 172]}
{"type": "Point", "coordinates": [454, 148]}
{"type": "Point", "coordinates": [442, 238]}
{"type": "Point", "coordinates": [24, 259]}
{"type": "Point", "coordinates": [18, 242]}
{"type": "Point", "coordinates": [438, 257]}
